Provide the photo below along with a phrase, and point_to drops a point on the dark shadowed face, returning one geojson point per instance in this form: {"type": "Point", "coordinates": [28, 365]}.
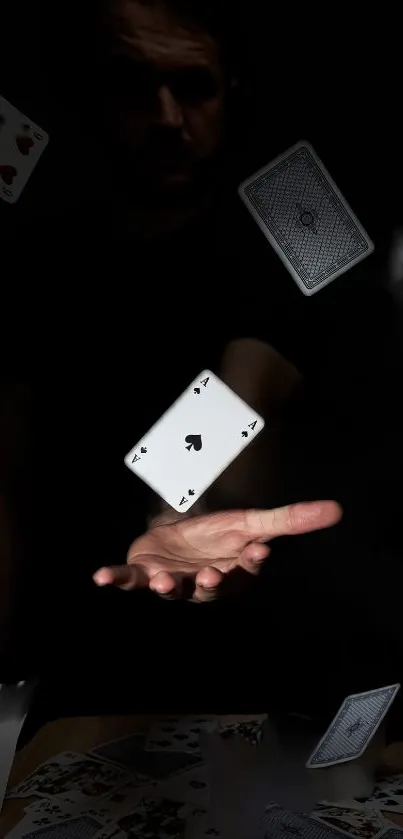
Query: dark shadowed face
{"type": "Point", "coordinates": [164, 95]}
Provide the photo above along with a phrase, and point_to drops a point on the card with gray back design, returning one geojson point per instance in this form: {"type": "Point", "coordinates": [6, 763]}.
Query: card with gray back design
{"type": "Point", "coordinates": [305, 218]}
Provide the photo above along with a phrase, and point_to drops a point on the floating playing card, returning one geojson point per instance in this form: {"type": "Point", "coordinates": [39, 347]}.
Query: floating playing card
{"type": "Point", "coordinates": [14, 704]}
{"type": "Point", "coordinates": [353, 727]}
{"type": "Point", "coordinates": [305, 218]}
{"type": "Point", "coordinates": [21, 145]}
{"type": "Point", "coordinates": [194, 441]}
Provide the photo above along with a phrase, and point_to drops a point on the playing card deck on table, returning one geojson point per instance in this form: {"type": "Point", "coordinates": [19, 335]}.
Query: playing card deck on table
{"type": "Point", "coordinates": [21, 145]}
{"type": "Point", "coordinates": [353, 727]}
{"type": "Point", "coordinates": [194, 441]}
{"type": "Point", "coordinates": [305, 218]}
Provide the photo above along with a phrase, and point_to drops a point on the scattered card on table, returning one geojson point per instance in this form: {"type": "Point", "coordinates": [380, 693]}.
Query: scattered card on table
{"type": "Point", "coordinates": [387, 795]}
{"type": "Point", "coordinates": [359, 824]}
{"type": "Point", "coordinates": [156, 765]}
{"type": "Point", "coordinates": [21, 145]}
{"type": "Point", "coordinates": [251, 730]}
{"type": "Point", "coordinates": [279, 823]}
{"type": "Point", "coordinates": [194, 441]}
{"type": "Point", "coordinates": [82, 827]}
{"type": "Point", "coordinates": [353, 727]}
{"type": "Point", "coordinates": [179, 735]}
{"type": "Point", "coordinates": [192, 787]}
{"type": "Point", "coordinates": [74, 778]}
{"type": "Point", "coordinates": [151, 818]}
{"type": "Point", "coordinates": [305, 218]}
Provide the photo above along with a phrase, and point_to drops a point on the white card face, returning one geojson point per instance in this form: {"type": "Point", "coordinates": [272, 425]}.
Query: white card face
{"type": "Point", "coordinates": [306, 219]}
{"type": "Point", "coordinates": [194, 441]}
{"type": "Point", "coordinates": [21, 145]}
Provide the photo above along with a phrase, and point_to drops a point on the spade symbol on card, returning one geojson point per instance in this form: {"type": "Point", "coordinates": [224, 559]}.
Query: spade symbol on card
{"type": "Point", "coordinates": [143, 450]}
{"type": "Point", "coordinates": [24, 144]}
{"type": "Point", "coordinates": [8, 173]}
{"type": "Point", "coordinates": [194, 441]}
{"type": "Point", "coordinates": [196, 390]}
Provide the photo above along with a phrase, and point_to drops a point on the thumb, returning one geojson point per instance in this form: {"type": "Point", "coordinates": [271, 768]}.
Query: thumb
{"type": "Point", "coordinates": [291, 520]}
{"type": "Point", "coordinates": [126, 577]}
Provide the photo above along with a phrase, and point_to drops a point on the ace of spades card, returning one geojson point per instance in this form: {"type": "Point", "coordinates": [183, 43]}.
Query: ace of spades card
{"type": "Point", "coordinates": [194, 441]}
{"type": "Point", "coordinates": [21, 145]}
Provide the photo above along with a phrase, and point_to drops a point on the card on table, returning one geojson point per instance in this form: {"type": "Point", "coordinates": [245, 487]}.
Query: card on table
{"type": "Point", "coordinates": [74, 778]}
{"type": "Point", "coordinates": [353, 727]}
{"type": "Point", "coordinates": [105, 810]}
{"type": "Point", "coordinates": [156, 765]}
{"type": "Point", "coordinates": [279, 823]}
{"type": "Point", "coordinates": [194, 441]}
{"type": "Point", "coordinates": [251, 731]}
{"type": "Point", "coordinates": [81, 827]}
{"type": "Point", "coordinates": [179, 735]}
{"type": "Point", "coordinates": [151, 817]}
{"type": "Point", "coordinates": [305, 218]}
{"type": "Point", "coordinates": [359, 824]}
{"type": "Point", "coordinates": [192, 787]}
{"type": "Point", "coordinates": [387, 795]}
{"type": "Point", "coordinates": [21, 145]}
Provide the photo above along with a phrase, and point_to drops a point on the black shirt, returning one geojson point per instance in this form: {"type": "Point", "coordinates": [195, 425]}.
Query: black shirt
{"type": "Point", "coordinates": [121, 328]}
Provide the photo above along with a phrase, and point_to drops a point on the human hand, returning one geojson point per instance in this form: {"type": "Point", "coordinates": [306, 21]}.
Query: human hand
{"type": "Point", "coordinates": [191, 557]}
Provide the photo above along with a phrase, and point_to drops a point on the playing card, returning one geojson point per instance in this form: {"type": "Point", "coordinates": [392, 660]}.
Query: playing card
{"type": "Point", "coordinates": [105, 810]}
{"type": "Point", "coordinates": [356, 823]}
{"type": "Point", "coordinates": [155, 765]}
{"type": "Point", "coordinates": [305, 218]}
{"type": "Point", "coordinates": [21, 145]}
{"type": "Point", "coordinates": [179, 735]}
{"type": "Point", "coordinates": [82, 827]}
{"type": "Point", "coordinates": [14, 704]}
{"type": "Point", "coordinates": [202, 827]}
{"type": "Point", "coordinates": [387, 795]}
{"type": "Point", "coordinates": [353, 727]}
{"type": "Point", "coordinates": [281, 824]}
{"type": "Point", "coordinates": [251, 731]}
{"type": "Point", "coordinates": [151, 818]}
{"type": "Point", "coordinates": [194, 441]}
{"type": "Point", "coordinates": [73, 778]}
{"type": "Point", "coordinates": [192, 787]}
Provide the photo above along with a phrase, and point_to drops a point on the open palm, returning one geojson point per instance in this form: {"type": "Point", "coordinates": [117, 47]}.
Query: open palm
{"type": "Point", "coordinates": [202, 551]}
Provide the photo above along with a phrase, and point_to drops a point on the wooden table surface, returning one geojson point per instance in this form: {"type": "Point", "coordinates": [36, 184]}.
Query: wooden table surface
{"type": "Point", "coordinates": [84, 733]}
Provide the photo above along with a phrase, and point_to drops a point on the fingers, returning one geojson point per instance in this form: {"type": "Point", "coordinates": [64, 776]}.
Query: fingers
{"type": "Point", "coordinates": [126, 577]}
{"type": "Point", "coordinates": [252, 558]}
{"type": "Point", "coordinates": [207, 581]}
{"type": "Point", "coordinates": [291, 520]}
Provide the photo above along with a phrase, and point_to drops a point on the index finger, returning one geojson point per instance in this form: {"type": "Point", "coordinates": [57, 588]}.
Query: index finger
{"type": "Point", "coordinates": [292, 519]}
